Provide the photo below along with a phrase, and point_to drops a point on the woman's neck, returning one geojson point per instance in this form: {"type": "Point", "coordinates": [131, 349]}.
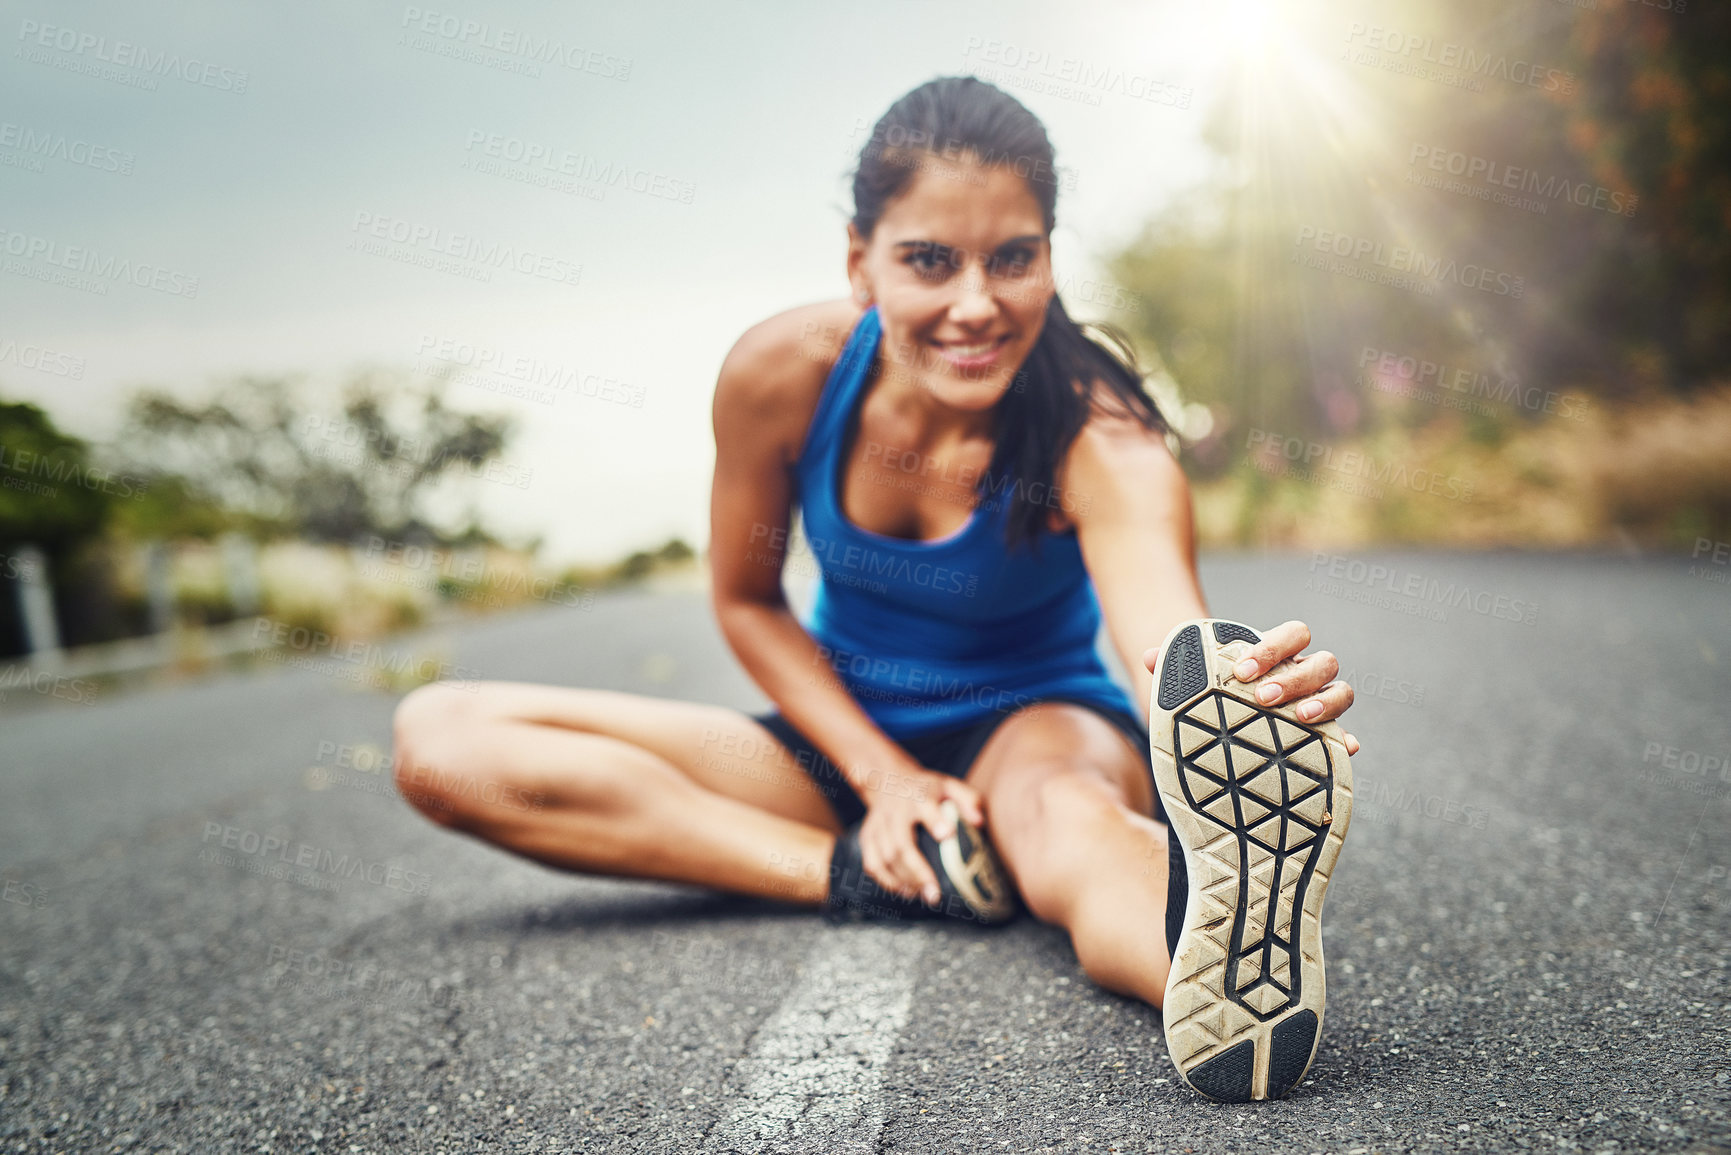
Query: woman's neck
{"type": "Point", "coordinates": [925, 417]}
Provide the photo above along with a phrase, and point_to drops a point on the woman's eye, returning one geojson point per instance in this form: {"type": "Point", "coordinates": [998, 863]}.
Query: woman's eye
{"type": "Point", "coordinates": [1011, 264]}
{"type": "Point", "coordinates": [930, 260]}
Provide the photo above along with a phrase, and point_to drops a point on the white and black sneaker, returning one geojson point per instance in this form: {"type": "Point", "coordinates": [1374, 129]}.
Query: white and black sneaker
{"type": "Point", "coordinates": [974, 884]}
{"type": "Point", "coordinates": [1259, 803]}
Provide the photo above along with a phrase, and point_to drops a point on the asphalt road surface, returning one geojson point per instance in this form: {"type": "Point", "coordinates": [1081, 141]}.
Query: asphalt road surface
{"type": "Point", "coordinates": [1527, 938]}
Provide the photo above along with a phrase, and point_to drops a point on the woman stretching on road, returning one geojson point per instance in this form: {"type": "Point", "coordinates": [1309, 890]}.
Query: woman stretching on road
{"type": "Point", "coordinates": [978, 480]}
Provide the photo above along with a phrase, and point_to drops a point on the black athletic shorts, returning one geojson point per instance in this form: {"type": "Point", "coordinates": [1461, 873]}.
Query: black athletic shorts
{"type": "Point", "coordinates": [948, 751]}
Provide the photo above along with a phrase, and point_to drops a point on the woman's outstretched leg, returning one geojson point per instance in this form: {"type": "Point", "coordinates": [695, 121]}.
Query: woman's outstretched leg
{"type": "Point", "coordinates": [1067, 809]}
{"type": "Point", "coordinates": [612, 783]}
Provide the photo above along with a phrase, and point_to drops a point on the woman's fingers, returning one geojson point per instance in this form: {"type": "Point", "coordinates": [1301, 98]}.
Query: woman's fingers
{"type": "Point", "coordinates": [1278, 644]}
{"type": "Point", "coordinates": [912, 869]}
{"type": "Point", "coordinates": [875, 868]}
{"type": "Point", "coordinates": [1330, 702]}
{"type": "Point", "coordinates": [933, 818]}
{"type": "Point", "coordinates": [968, 801]}
{"type": "Point", "coordinates": [1297, 677]}
{"type": "Point", "coordinates": [1290, 676]}
{"type": "Point", "coordinates": [889, 840]}
{"type": "Point", "coordinates": [903, 878]}
{"type": "Point", "coordinates": [878, 856]}
{"type": "Point", "coordinates": [919, 871]}
{"type": "Point", "coordinates": [894, 860]}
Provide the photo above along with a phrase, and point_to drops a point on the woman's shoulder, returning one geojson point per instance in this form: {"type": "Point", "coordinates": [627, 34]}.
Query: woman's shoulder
{"type": "Point", "coordinates": [1114, 423]}
{"type": "Point", "coordinates": [1115, 449]}
{"type": "Point", "coordinates": [790, 350]}
{"type": "Point", "coordinates": [772, 378]}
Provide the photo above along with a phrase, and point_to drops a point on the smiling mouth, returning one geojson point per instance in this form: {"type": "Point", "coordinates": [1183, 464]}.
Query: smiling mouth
{"type": "Point", "coordinates": [973, 348]}
{"type": "Point", "coordinates": [971, 357]}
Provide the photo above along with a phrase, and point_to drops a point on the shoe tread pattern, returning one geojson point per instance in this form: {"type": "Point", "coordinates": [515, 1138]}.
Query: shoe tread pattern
{"type": "Point", "coordinates": [1183, 674]}
{"type": "Point", "coordinates": [1228, 1076]}
{"type": "Point", "coordinates": [1290, 1046]}
{"type": "Point", "coordinates": [1259, 863]}
{"type": "Point", "coordinates": [1269, 782]}
{"type": "Point", "coordinates": [1233, 632]}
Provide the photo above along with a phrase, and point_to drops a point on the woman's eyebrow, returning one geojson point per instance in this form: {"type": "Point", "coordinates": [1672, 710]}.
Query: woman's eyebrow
{"type": "Point", "coordinates": [1022, 240]}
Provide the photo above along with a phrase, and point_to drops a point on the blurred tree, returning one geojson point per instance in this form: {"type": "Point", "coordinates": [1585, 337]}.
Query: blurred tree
{"type": "Point", "coordinates": [1656, 116]}
{"type": "Point", "coordinates": [53, 496]}
{"type": "Point", "coordinates": [336, 473]}
{"type": "Point", "coordinates": [50, 493]}
{"type": "Point", "coordinates": [675, 551]}
{"type": "Point", "coordinates": [1628, 105]}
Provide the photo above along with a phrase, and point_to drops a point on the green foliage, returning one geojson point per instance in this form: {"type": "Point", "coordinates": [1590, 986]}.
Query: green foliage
{"type": "Point", "coordinates": [639, 564]}
{"type": "Point", "coordinates": [282, 462]}
{"type": "Point", "coordinates": [50, 493]}
{"type": "Point", "coordinates": [675, 551]}
{"type": "Point", "coordinates": [170, 508]}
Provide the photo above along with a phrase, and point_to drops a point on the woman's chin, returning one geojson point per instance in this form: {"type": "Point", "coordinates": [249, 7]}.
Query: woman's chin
{"type": "Point", "coordinates": [972, 392]}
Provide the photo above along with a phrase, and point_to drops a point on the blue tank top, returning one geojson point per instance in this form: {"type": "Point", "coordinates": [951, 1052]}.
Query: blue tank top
{"type": "Point", "coordinates": [939, 633]}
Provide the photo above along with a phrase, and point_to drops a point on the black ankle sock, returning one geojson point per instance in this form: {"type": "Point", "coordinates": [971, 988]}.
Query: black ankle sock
{"type": "Point", "coordinates": [1177, 891]}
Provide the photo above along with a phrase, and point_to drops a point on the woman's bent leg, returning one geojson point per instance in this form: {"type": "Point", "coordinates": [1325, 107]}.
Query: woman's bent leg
{"type": "Point", "coordinates": [1067, 808]}
{"type": "Point", "coordinates": [612, 783]}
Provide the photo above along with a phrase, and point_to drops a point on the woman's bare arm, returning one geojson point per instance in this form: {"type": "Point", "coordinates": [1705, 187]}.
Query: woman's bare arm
{"type": "Point", "coordinates": [1130, 503]}
{"type": "Point", "coordinates": [1134, 523]}
{"type": "Point", "coordinates": [764, 404]}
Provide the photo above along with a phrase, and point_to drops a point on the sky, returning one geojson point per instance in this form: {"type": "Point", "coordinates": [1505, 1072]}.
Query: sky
{"type": "Point", "coordinates": [194, 193]}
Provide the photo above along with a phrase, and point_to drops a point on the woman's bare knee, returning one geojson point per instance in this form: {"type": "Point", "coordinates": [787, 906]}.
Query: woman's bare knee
{"type": "Point", "coordinates": [475, 766]}
{"type": "Point", "coordinates": [1036, 812]}
{"type": "Point", "coordinates": [1037, 797]}
{"type": "Point", "coordinates": [431, 706]}
{"type": "Point", "coordinates": [431, 728]}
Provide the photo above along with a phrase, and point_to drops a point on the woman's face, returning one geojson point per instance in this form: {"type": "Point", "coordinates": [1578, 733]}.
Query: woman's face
{"type": "Point", "coordinates": [961, 270]}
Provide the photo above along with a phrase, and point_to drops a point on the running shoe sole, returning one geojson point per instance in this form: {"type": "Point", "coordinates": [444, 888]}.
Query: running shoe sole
{"type": "Point", "coordinates": [1259, 803]}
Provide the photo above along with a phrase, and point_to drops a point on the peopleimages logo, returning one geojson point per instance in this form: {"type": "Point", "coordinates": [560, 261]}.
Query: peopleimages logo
{"type": "Point", "coordinates": [531, 371]}
{"type": "Point", "coordinates": [440, 248]}
{"type": "Point", "coordinates": [1088, 78]}
{"type": "Point", "coordinates": [41, 359]}
{"type": "Point", "coordinates": [1435, 382]}
{"type": "Point", "coordinates": [91, 269]}
{"type": "Point", "coordinates": [49, 145]}
{"type": "Point", "coordinates": [281, 853]}
{"type": "Point", "coordinates": [837, 562]}
{"type": "Point", "coordinates": [580, 166]}
{"type": "Point", "coordinates": [1403, 801]}
{"type": "Point", "coordinates": [1506, 176]}
{"type": "Point", "coordinates": [462, 37]}
{"type": "Point", "coordinates": [1331, 571]}
{"type": "Point", "coordinates": [1270, 448]}
{"type": "Point", "coordinates": [1688, 761]}
{"type": "Point", "coordinates": [56, 468]}
{"type": "Point", "coordinates": [1468, 62]}
{"type": "Point", "coordinates": [1403, 260]}
{"type": "Point", "coordinates": [124, 54]}
{"type": "Point", "coordinates": [1715, 553]}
